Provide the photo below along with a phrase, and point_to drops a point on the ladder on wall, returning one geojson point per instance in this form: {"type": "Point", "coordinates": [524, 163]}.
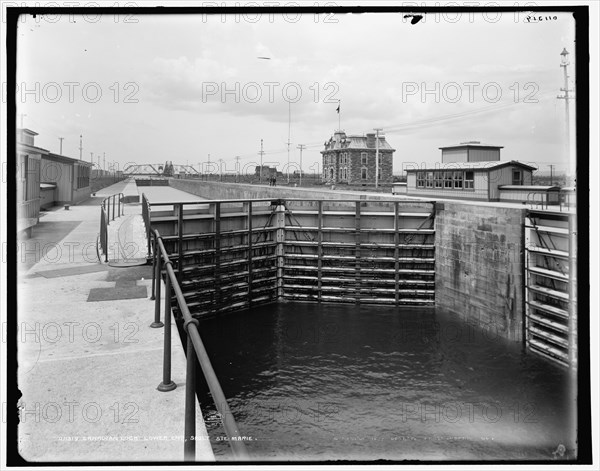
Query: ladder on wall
{"type": "Point", "coordinates": [551, 285]}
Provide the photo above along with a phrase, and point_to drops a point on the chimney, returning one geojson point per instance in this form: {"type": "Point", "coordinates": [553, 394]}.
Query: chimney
{"type": "Point", "coordinates": [371, 140]}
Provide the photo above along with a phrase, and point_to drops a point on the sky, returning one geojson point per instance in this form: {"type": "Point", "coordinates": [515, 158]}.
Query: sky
{"type": "Point", "coordinates": [157, 88]}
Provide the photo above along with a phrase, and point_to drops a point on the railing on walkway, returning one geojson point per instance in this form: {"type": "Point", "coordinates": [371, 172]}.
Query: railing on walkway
{"type": "Point", "coordinates": [533, 200]}
{"type": "Point", "coordinates": [565, 200]}
{"type": "Point", "coordinates": [108, 213]}
{"type": "Point", "coordinates": [147, 222]}
{"type": "Point", "coordinates": [194, 350]}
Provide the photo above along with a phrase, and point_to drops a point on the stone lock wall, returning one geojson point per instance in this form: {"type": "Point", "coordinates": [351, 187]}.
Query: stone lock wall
{"type": "Point", "coordinates": [480, 266]}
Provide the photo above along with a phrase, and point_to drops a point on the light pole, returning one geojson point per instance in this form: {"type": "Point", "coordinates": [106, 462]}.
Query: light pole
{"type": "Point", "coordinates": [564, 63]}
{"type": "Point", "coordinates": [301, 147]}
{"type": "Point", "coordinates": [61, 140]}
{"type": "Point", "coordinates": [262, 152]}
{"type": "Point", "coordinates": [288, 141]}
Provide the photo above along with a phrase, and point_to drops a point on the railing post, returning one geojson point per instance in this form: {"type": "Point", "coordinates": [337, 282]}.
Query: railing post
{"type": "Point", "coordinates": [153, 297]}
{"type": "Point", "coordinates": [189, 436]}
{"type": "Point", "coordinates": [120, 199]}
{"type": "Point", "coordinates": [167, 384]}
{"type": "Point", "coordinates": [157, 323]}
{"type": "Point", "coordinates": [180, 243]}
{"type": "Point", "coordinates": [146, 213]}
{"type": "Point", "coordinates": [105, 239]}
{"type": "Point", "coordinates": [113, 203]}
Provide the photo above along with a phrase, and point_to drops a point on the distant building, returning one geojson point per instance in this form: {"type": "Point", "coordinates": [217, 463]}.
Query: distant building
{"type": "Point", "coordinates": [45, 179]}
{"type": "Point", "coordinates": [29, 159]}
{"type": "Point", "coordinates": [471, 171]}
{"type": "Point", "coordinates": [267, 172]}
{"type": "Point", "coordinates": [351, 159]}
{"type": "Point", "coordinates": [70, 177]}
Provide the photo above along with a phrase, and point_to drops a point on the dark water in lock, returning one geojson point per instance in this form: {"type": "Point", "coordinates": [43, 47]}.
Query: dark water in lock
{"type": "Point", "coordinates": [341, 382]}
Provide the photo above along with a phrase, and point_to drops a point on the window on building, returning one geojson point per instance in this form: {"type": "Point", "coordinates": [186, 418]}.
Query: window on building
{"type": "Point", "coordinates": [448, 183]}
{"type": "Point", "coordinates": [363, 158]}
{"type": "Point", "coordinates": [438, 179]}
{"type": "Point", "coordinates": [429, 180]}
{"type": "Point", "coordinates": [363, 173]}
{"type": "Point", "coordinates": [469, 180]}
{"type": "Point", "coordinates": [517, 177]}
{"type": "Point", "coordinates": [331, 173]}
{"type": "Point", "coordinates": [458, 180]}
{"type": "Point", "coordinates": [420, 179]}
{"type": "Point", "coordinates": [345, 173]}
{"type": "Point", "coordinates": [341, 173]}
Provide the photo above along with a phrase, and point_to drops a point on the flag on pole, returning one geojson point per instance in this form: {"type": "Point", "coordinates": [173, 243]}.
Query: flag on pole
{"type": "Point", "coordinates": [338, 108]}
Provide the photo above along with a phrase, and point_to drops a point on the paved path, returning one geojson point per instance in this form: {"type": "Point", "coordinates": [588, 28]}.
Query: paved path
{"type": "Point", "coordinates": [89, 363]}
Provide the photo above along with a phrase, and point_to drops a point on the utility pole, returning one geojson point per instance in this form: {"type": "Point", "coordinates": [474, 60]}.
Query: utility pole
{"type": "Point", "coordinates": [288, 141]}
{"type": "Point", "coordinates": [60, 139]}
{"type": "Point", "coordinates": [377, 157]}
{"type": "Point", "coordinates": [92, 158]}
{"type": "Point", "coordinates": [262, 152]}
{"type": "Point", "coordinates": [551, 174]}
{"type": "Point", "coordinates": [564, 63]}
{"type": "Point", "coordinates": [81, 147]}
{"type": "Point", "coordinates": [237, 167]}
{"type": "Point", "coordinates": [104, 160]}
{"type": "Point", "coordinates": [301, 147]}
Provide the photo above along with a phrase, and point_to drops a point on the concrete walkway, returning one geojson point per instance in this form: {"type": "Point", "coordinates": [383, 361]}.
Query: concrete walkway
{"type": "Point", "coordinates": [89, 363]}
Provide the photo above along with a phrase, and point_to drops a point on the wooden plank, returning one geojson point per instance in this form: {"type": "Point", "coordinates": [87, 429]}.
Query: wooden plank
{"type": "Point", "coordinates": [180, 263]}
{"type": "Point", "coordinates": [320, 249]}
{"type": "Point", "coordinates": [396, 253]}
{"type": "Point", "coordinates": [357, 253]}
{"type": "Point", "coordinates": [549, 309]}
{"type": "Point", "coordinates": [217, 242]}
{"type": "Point", "coordinates": [250, 247]}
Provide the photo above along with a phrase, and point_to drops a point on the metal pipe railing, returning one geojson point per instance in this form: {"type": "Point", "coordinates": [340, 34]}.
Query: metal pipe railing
{"type": "Point", "coordinates": [106, 216]}
{"type": "Point", "coordinates": [195, 350]}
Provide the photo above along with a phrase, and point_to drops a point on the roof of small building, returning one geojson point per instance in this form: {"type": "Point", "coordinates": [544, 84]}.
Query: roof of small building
{"type": "Point", "coordinates": [354, 142]}
{"type": "Point", "coordinates": [28, 131]}
{"type": "Point", "coordinates": [33, 149]}
{"type": "Point", "coordinates": [490, 165]}
{"type": "Point", "coordinates": [65, 159]}
{"type": "Point", "coordinates": [471, 144]}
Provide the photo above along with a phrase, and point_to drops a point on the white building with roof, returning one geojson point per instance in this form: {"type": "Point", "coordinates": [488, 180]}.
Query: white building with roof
{"type": "Point", "coordinates": [469, 170]}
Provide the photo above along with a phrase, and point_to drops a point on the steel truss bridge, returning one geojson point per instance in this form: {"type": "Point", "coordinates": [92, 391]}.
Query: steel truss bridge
{"type": "Point", "coordinates": [158, 170]}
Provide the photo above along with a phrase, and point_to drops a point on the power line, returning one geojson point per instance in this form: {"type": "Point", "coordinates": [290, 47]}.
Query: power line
{"type": "Point", "coordinates": [395, 128]}
{"type": "Point", "coordinates": [301, 147]}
